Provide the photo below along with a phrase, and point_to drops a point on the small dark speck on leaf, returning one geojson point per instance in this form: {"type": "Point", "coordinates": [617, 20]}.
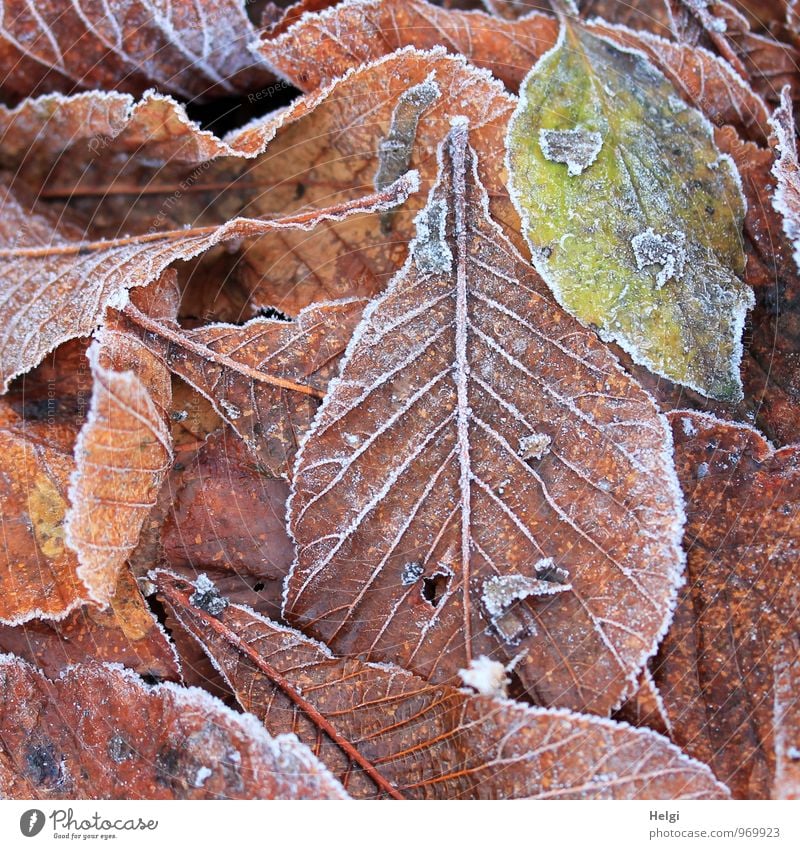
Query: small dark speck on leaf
{"type": "Point", "coordinates": [44, 767]}
{"type": "Point", "coordinates": [207, 597]}
{"type": "Point", "coordinates": [119, 750]}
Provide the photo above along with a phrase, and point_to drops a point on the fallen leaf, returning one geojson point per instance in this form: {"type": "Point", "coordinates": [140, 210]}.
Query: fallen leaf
{"type": "Point", "coordinates": [197, 50]}
{"type": "Point", "coordinates": [387, 732]}
{"type": "Point", "coordinates": [786, 197]}
{"type": "Point", "coordinates": [265, 377]}
{"type": "Point", "coordinates": [349, 34]}
{"type": "Point", "coordinates": [38, 572]}
{"type": "Point", "coordinates": [787, 721]}
{"type": "Point", "coordinates": [654, 256]}
{"type": "Point", "coordinates": [715, 668]}
{"type": "Point", "coordinates": [766, 63]}
{"type": "Point", "coordinates": [123, 451]}
{"type": "Point", "coordinates": [704, 79]}
{"type": "Point", "coordinates": [126, 632]}
{"type": "Point", "coordinates": [97, 732]}
{"type": "Point", "coordinates": [446, 481]}
{"type": "Point", "coordinates": [59, 284]}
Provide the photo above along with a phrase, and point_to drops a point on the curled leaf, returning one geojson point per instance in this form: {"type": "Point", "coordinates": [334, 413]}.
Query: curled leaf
{"type": "Point", "coordinates": [786, 197]}
{"type": "Point", "coordinates": [632, 214]}
{"type": "Point", "coordinates": [123, 451]}
{"type": "Point", "coordinates": [58, 284]}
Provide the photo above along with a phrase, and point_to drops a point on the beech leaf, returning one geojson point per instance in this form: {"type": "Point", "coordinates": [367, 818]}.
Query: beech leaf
{"type": "Point", "coordinates": [632, 215]}
{"type": "Point", "coordinates": [386, 732]}
{"type": "Point", "coordinates": [58, 284]}
{"type": "Point", "coordinates": [97, 732]}
{"type": "Point", "coordinates": [265, 377]}
{"type": "Point", "coordinates": [446, 503]}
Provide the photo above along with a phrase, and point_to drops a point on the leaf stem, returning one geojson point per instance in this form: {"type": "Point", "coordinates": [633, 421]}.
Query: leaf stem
{"type": "Point", "coordinates": [183, 341]}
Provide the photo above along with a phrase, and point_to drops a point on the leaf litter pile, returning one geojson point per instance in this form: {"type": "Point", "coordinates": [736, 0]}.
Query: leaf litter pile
{"type": "Point", "coordinates": [400, 400]}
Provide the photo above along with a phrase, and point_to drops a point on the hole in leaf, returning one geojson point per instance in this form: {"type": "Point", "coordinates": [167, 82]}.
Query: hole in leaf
{"type": "Point", "coordinates": [434, 588]}
{"type": "Point", "coordinates": [273, 313]}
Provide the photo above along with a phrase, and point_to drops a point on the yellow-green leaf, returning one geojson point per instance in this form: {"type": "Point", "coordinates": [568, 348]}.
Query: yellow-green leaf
{"type": "Point", "coordinates": [632, 214]}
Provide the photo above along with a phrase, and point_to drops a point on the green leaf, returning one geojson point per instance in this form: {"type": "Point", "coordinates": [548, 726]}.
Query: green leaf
{"type": "Point", "coordinates": [633, 216]}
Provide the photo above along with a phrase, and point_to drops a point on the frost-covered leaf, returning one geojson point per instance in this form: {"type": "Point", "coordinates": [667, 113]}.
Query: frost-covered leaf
{"type": "Point", "coordinates": [478, 443]}
{"type": "Point", "coordinates": [38, 572]}
{"type": "Point", "coordinates": [386, 731]}
{"type": "Point", "coordinates": [766, 63]}
{"type": "Point", "coordinates": [57, 284]}
{"type": "Point", "coordinates": [787, 721]}
{"type": "Point", "coordinates": [703, 79]}
{"type": "Point", "coordinates": [97, 732]}
{"type": "Point", "coordinates": [126, 632]}
{"type": "Point", "coordinates": [96, 126]}
{"type": "Point", "coordinates": [264, 377]}
{"type": "Point", "coordinates": [197, 50]}
{"type": "Point", "coordinates": [632, 214]}
{"type": "Point", "coordinates": [319, 48]}
{"type": "Point", "coordinates": [716, 667]}
{"type": "Point", "coordinates": [124, 450]}
{"type": "Point", "coordinates": [786, 197]}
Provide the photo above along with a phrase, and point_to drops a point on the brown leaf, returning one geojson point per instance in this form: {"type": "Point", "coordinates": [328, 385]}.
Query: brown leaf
{"type": "Point", "coordinates": [228, 519]}
{"type": "Point", "coordinates": [787, 721]}
{"type": "Point", "coordinates": [126, 632]}
{"type": "Point", "coordinates": [319, 48]}
{"type": "Point", "coordinates": [387, 732]}
{"type": "Point", "coordinates": [86, 131]}
{"type": "Point", "coordinates": [786, 197]}
{"type": "Point", "coordinates": [98, 733]}
{"type": "Point", "coordinates": [447, 480]}
{"type": "Point", "coordinates": [715, 668]}
{"type": "Point", "coordinates": [651, 15]}
{"type": "Point", "coordinates": [38, 572]}
{"type": "Point", "coordinates": [767, 64]}
{"type": "Point", "coordinates": [123, 451]}
{"type": "Point", "coordinates": [60, 285]}
{"type": "Point", "coordinates": [265, 377]}
{"type": "Point", "coordinates": [197, 50]}
{"type": "Point", "coordinates": [329, 151]}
